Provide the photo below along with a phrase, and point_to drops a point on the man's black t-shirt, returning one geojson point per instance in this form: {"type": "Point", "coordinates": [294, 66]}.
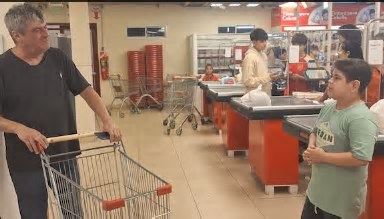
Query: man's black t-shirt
{"type": "Point", "coordinates": [38, 97]}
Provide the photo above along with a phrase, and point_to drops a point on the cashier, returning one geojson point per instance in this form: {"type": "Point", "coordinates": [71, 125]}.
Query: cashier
{"type": "Point", "coordinates": [297, 81]}
{"type": "Point", "coordinates": [209, 75]}
{"type": "Point", "coordinates": [349, 32]}
{"type": "Point", "coordinates": [351, 49]}
{"type": "Point", "coordinates": [255, 64]}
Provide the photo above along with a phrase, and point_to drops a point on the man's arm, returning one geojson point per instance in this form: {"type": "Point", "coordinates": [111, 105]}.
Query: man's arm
{"type": "Point", "coordinates": [35, 141]}
{"type": "Point", "coordinates": [344, 159]}
{"type": "Point", "coordinates": [95, 103]}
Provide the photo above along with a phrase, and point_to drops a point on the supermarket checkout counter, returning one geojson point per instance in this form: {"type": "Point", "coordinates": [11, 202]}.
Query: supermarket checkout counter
{"type": "Point", "coordinates": [272, 153]}
{"type": "Point", "coordinates": [300, 126]}
{"type": "Point", "coordinates": [216, 107]}
{"type": "Point", "coordinates": [233, 126]}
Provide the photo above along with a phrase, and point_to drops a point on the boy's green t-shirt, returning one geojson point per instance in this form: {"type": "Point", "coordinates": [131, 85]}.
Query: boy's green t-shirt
{"type": "Point", "coordinates": [342, 190]}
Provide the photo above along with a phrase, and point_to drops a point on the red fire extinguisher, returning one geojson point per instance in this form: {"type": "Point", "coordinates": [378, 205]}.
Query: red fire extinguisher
{"type": "Point", "coordinates": [104, 67]}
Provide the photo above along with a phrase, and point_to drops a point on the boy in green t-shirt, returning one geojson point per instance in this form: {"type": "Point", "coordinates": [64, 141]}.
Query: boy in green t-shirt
{"type": "Point", "coordinates": [341, 146]}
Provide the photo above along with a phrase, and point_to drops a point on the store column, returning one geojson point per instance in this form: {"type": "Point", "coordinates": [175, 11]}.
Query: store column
{"type": "Point", "coordinates": [81, 56]}
{"type": "Point", "coordinates": [9, 207]}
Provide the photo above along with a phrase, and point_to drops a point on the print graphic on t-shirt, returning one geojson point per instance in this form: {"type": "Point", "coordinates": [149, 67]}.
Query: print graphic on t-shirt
{"type": "Point", "coordinates": [324, 135]}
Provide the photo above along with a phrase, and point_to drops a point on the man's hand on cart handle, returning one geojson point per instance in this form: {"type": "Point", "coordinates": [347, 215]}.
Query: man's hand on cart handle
{"type": "Point", "coordinates": [113, 130]}
{"type": "Point", "coordinates": [33, 139]}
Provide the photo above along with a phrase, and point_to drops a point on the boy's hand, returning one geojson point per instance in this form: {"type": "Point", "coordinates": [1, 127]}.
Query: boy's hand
{"type": "Point", "coordinates": [314, 155]}
{"type": "Point", "coordinates": [274, 77]}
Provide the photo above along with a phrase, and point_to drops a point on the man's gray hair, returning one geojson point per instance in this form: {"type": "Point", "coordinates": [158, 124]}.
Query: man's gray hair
{"type": "Point", "coordinates": [18, 17]}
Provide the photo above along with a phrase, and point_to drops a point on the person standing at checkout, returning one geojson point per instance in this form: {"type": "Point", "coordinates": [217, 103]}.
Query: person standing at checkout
{"type": "Point", "coordinates": [297, 81]}
{"type": "Point", "coordinates": [255, 64]}
{"type": "Point", "coordinates": [341, 145]}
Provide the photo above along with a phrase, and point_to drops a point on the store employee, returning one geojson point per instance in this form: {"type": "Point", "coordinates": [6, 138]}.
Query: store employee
{"type": "Point", "coordinates": [255, 64]}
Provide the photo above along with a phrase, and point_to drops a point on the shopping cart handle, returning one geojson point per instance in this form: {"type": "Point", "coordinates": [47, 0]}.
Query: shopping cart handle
{"type": "Point", "coordinates": [100, 135]}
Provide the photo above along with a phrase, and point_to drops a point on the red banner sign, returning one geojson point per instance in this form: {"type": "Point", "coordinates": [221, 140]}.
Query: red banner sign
{"type": "Point", "coordinates": [343, 13]}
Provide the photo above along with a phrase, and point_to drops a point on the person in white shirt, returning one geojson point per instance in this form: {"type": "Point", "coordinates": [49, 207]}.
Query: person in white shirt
{"type": "Point", "coordinates": [255, 64]}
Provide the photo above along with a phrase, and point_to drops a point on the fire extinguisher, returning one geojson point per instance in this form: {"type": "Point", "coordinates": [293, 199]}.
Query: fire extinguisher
{"type": "Point", "coordinates": [104, 67]}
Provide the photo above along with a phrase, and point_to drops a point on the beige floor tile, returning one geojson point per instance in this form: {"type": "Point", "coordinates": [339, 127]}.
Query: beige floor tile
{"type": "Point", "coordinates": [206, 183]}
{"type": "Point", "coordinates": [281, 207]}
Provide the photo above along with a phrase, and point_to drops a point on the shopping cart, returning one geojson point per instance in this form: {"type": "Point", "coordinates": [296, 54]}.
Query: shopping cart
{"type": "Point", "coordinates": [180, 99]}
{"type": "Point", "coordinates": [102, 182]}
{"type": "Point", "coordinates": [134, 92]}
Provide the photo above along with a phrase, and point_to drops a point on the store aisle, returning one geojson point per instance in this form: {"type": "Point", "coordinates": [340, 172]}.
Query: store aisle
{"type": "Point", "coordinates": [206, 183]}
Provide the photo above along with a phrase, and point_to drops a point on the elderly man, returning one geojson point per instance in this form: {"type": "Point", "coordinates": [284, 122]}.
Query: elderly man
{"type": "Point", "coordinates": [255, 64]}
{"type": "Point", "coordinates": [35, 81]}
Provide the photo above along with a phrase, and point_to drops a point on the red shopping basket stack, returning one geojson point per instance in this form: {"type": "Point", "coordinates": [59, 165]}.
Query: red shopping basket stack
{"type": "Point", "coordinates": [154, 71]}
{"type": "Point", "coordinates": [136, 69]}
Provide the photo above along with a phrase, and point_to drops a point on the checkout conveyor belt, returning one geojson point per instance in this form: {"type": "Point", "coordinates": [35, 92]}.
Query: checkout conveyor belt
{"type": "Point", "coordinates": [205, 85]}
{"type": "Point", "coordinates": [301, 125]}
{"type": "Point", "coordinates": [224, 94]}
{"type": "Point", "coordinates": [280, 107]}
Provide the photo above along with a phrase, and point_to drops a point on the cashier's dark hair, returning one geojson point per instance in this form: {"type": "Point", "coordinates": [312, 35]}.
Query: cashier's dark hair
{"type": "Point", "coordinates": [350, 32]}
{"type": "Point", "coordinates": [355, 69]}
{"type": "Point", "coordinates": [209, 65]}
{"type": "Point", "coordinates": [259, 34]}
{"type": "Point", "coordinates": [353, 48]}
{"type": "Point", "coordinates": [299, 39]}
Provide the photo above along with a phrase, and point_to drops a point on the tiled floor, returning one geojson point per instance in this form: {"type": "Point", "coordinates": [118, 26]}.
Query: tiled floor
{"type": "Point", "coordinates": [206, 183]}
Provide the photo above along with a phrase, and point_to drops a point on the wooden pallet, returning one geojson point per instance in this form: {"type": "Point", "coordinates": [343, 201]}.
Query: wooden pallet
{"type": "Point", "coordinates": [270, 189]}
{"type": "Point", "coordinates": [231, 153]}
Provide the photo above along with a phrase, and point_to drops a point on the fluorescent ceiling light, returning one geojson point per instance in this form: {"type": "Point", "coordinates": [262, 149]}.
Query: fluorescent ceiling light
{"type": "Point", "coordinates": [305, 28]}
{"type": "Point", "coordinates": [253, 5]}
{"type": "Point", "coordinates": [325, 5]}
{"type": "Point", "coordinates": [234, 4]}
{"type": "Point", "coordinates": [288, 5]}
{"type": "Point", "coordinates": [216, 4]}
{"type": "Point", "coordinates": [304, 4]}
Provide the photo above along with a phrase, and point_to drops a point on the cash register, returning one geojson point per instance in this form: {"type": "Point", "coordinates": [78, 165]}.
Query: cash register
{"type": "Point", "coordinates": [316, 76]}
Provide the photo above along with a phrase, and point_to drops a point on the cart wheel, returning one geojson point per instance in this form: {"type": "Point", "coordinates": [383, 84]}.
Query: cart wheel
{"type": "Point", "coordinates": [168, 131]}
{"type": "Point", "coordinates": [190, 117]}
{"type": "Point", "coordinates": [203, 122]}
{"type": "Point", "coordinates": [121, 114]}
{"type": "Point", "coordinates": [138, 111]}
{"type": "Point", "coordinates": [133, 109]}
{"type": "Point", "coordinates": [165, 122]}
{"type": "Point", "coordinates": [160, 107]}
{"type": "Point", "coordinates": [194, 126]}
{"type": "Point", "coordinates": [179, 131]}
{"type": "Point", "coordinates": [172, 124]}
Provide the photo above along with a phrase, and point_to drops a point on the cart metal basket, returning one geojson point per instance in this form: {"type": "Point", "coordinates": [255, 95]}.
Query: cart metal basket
{"type": "Point", "coordinates": [103, 182]}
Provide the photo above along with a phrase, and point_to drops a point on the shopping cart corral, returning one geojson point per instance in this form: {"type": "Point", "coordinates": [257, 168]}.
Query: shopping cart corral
{"type": "Point", "coordinates": [103, 182]}
{"type": "Point", "coordinates": [180, 99]}
{"type": "Point", "coordinates": [135, 92]}
{"type": "Point", "coordinates": [300, 127]}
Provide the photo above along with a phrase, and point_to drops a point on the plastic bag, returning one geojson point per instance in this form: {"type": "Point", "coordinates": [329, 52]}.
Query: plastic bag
{"type": "Point", "coordinates": [378, 110]}
{"type": "Point", "coordinates": [257, 97]}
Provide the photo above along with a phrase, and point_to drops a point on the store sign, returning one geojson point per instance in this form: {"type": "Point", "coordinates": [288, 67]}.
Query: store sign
{"type": "Point", "coordinates": [375, 52]}
{"type": "Point", "coordinates": [357, 13]}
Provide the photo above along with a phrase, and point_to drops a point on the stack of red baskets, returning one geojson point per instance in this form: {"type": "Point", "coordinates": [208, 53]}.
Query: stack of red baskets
{"type": "Point", "coordinates": [136, 69]}
{"type": "Point", "coordinates": [154, 71]}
